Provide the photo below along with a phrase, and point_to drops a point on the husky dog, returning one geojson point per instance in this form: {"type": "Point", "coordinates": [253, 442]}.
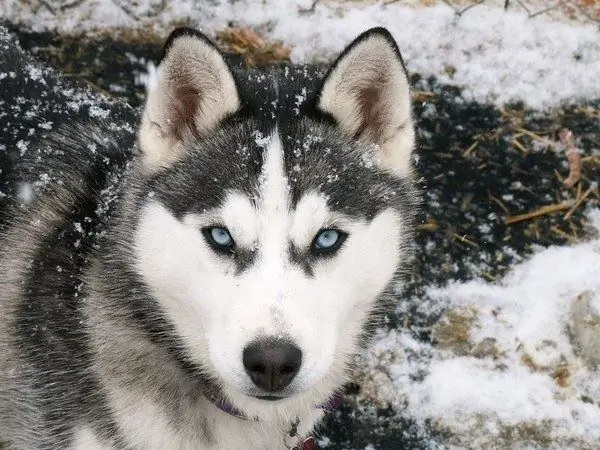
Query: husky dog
{"type": "Point", "coordinates": [208, 285]}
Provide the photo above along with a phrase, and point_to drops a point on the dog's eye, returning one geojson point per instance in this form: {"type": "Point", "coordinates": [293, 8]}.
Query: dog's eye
{"type": "Point", "coordinates": [328, 241]}
{"type": "Point", "coordinates": [219, 238]}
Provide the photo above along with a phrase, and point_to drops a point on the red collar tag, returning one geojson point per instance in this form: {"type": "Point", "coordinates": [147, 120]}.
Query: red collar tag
{"type": "Point", "coordinates": [309, 443]}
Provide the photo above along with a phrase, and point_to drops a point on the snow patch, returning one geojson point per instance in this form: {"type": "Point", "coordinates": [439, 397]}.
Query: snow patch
{"type": "Point", "coordinates": [495, 55]}
{"type": "Point", "coordinates": [504, 358]}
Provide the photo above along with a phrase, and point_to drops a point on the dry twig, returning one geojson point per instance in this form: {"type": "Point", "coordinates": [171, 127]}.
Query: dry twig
{"type": "Point", "coordinates": [573, 157]}
{"type": "Point", "coordinates": [544, 210]}
{"type": "Point", "coordinates": [578, 202]}
{"type": "Point", "coordinates": [468, 151]}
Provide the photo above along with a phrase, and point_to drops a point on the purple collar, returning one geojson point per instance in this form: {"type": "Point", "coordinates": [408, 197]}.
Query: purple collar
{"type": "Point", "coordinates": [332, 404]}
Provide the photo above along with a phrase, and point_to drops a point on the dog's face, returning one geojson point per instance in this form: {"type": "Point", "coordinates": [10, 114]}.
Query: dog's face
{"type": "Point", "coordinates": [277, 213]}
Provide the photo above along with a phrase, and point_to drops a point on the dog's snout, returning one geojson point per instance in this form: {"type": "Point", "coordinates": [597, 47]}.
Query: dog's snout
{"type": "Point", "coordinates": [272, 364]}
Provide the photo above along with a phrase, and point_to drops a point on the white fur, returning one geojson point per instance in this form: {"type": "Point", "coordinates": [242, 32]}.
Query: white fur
{"type": "Point", "coordinates": [372, 65]}
{"type": "Point", "coordinates": [218, 312]}
{"type": "Point", "coordinates": [85, 439]}
{"type": "Point", "coordinates": [147, 428]}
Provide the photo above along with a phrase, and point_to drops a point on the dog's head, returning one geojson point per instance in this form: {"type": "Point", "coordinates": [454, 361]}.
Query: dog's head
{"type": "Point", "coordinates": [276, 213]}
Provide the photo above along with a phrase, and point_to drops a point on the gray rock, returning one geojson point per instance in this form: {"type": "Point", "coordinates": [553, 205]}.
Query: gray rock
{"type": "Point", "coordinates": [584, 329]}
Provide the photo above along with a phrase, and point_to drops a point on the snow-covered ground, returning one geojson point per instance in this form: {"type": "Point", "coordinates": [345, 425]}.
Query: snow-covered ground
{"type": "Point", "coordinates": [515, 363]}
{"type": "Point", "coordinates": [495, 55]}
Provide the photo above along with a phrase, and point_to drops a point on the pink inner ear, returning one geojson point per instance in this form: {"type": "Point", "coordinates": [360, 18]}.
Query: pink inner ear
{"type": "Point", "coordinates": [184, 109]}
{"type": "Point", "coordinates": [372, 106]}
{"type": "Point", "coordinates": [368, 99]}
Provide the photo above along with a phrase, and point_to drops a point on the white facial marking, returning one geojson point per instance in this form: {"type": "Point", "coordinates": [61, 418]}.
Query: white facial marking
{"type": "Point", "coordinates": [218, 311]}
{"type": "Point", "coordinates": [274, 207]}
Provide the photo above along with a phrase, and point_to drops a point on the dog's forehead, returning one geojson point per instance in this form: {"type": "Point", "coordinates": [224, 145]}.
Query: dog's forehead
{"type": "Point", "coordinates": [316, 156]}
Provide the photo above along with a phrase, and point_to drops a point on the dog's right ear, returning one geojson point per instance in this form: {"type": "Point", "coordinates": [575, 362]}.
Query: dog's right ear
{"type": "Point", "coordinates": [192, 91]}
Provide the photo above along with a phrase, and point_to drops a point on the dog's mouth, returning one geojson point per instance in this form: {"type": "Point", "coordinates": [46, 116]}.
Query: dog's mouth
{"type": "Point", "coordinates": [270, 398]}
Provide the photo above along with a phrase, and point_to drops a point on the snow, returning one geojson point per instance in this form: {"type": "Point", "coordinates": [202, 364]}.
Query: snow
{"type": "Point", "coordinates": [496, 55]}
{"type": "Point", "coordinates": [518, 364]}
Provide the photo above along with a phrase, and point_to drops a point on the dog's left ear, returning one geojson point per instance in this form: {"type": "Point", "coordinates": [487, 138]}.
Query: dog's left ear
{"type": "Point", "coordinates": [367, 93]}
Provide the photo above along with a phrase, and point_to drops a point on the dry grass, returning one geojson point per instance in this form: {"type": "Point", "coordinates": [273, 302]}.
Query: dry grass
{"type": "Point", "coordinates": [252, 47]}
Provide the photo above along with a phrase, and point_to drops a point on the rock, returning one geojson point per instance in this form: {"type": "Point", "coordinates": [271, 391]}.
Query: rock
{"type": "Point", "coordinates": [584, 329]}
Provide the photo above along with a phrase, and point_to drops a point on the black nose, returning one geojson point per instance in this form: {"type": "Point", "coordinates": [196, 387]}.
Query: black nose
{"type": "Point", "coordinates": [272, 364]}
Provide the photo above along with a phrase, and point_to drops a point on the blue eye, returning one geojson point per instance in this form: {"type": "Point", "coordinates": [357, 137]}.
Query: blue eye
{"type": "Point", "coordinates": [327, 238]}
{"type": "Point", "coordinates": [219, 238]}
{"type": "Point", "coordinates": [328, 241]}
